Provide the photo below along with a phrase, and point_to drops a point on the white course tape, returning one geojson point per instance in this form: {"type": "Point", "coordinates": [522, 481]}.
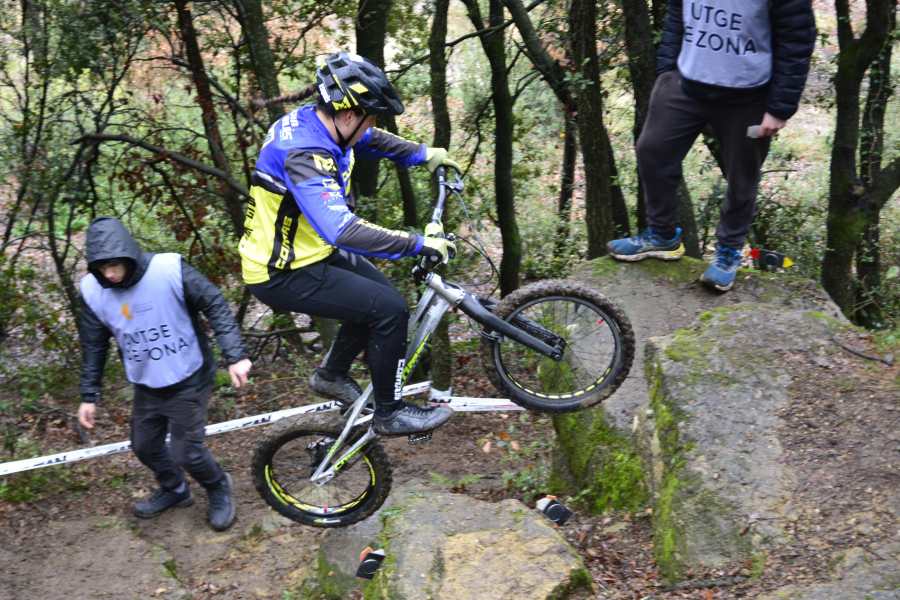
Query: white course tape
{"type": "Point", "coordinates": [460, 404]}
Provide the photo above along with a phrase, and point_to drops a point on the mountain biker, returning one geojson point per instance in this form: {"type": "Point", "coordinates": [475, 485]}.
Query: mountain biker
{"type": "Point", "coordinates": [303, 248]}
{"type": "Point", "coordinates": [150, 303]}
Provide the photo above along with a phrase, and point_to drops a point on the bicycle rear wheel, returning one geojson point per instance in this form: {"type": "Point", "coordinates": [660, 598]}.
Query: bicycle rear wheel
{"type": "Point", "coordinates": [596, 336]}
{"type": "Point", "coordinates": [286, 458]}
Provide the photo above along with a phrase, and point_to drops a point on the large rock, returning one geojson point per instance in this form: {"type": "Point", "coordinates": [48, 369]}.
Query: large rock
{"type": "Point", "coordinates": [443, 545]}
{"type": "Point", "coordinates": [595, 455]}
{"type": "Point", "coordinates": [709, 434]}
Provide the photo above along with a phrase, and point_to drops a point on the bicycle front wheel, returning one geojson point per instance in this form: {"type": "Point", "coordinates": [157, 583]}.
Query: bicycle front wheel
{"type": "Point", "coordinates": [597, 341]}
{"type": "Point", "coordinates": [286, 458]}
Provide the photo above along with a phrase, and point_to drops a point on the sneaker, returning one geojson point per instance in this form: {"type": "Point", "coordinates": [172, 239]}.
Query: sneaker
{"type": "Point", "coordinates": [411, 419]}
{"type": "Point", "coordinates": [341, 387]}
{"type": "Point", "coordinates": [162, 500]}
{"type": "Point", "coordinates": [721, 272]}
{"type": "Point", "coordinates": [220, 513]}
{"type": "Point", "coordinates": [647, 244]}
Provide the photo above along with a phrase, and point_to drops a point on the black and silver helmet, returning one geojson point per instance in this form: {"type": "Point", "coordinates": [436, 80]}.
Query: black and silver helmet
{"type": "Point", "coordinates": [349, 81]}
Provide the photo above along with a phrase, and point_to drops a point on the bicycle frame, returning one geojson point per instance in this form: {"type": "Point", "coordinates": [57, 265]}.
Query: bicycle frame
{"type": "Point", "coordinates": [439, 297]}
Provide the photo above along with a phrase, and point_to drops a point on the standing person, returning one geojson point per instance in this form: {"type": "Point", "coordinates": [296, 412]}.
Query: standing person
{"type": "Point", "coordinates": [304, 249]}
{"type": "Point", "coordinates": [732, 64]}
{"type": "Point", "coordinates": [150, 303]}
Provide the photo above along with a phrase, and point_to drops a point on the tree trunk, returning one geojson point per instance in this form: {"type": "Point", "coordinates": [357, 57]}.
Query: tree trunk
{"type": "Point", "coordinates": [658, 12]}
{"type": "Point", "coordinates": [586, 103]}
{"type": "Point", "coordinates": [494, 47]}
{"type": "Point", "coordinates": [849, 201]}
{"type": "Point", "coordinates": [567, 182]}
{"type": "Point", "coordinates": [591, 130]}
{"type": "Point", "coordinates": [208, 112]}
{"type": "Point", "coordinates": [254, 27]}
{"type": "Point", "coordinates": [407, 193]}
{"type": "Point", "coordinates": [371, 34]}
{"type": "Point", "coordinates": [868, 254]}
{"type": "Point", "coordinates": [642, 70]}
{"type": "Point", "coordinates": [441, 356]}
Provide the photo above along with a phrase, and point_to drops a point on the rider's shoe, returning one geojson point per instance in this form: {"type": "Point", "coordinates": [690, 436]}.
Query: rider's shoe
{"type": "Point", "coordinates": [337, 387]}
{"type": "Point", "coordinates": [411, 419]}
{"type": "Point", "coordinates": [721, 273]}
{"type": "Point", "coordinates": [220, 512]}
{"type": "Point", "coordinates": [162, 500]}
{"type": "Point", "coordinates": [647, 244]}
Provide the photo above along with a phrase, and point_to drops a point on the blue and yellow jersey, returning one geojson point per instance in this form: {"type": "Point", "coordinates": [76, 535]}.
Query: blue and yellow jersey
{"type": "Point", "coordinates": [298, 211]}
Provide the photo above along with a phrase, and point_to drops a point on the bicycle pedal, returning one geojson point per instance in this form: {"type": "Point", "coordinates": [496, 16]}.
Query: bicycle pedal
{"type": "Point", "coordinates": [419, 438]}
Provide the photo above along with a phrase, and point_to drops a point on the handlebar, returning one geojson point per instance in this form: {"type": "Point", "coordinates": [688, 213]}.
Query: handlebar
{"type": "Point", "coordinates": [456, 187]}
{"type": "Point", "coordinates": [437, 214]}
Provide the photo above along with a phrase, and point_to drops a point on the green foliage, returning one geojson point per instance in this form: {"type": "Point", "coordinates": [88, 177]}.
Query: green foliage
{"type": "Point", "coordinates": [454, 485]}
{"type": "Point", "coordinates": [546, 254]}
{"type": "Point", "coordinates": [529, 461]}
{"type": "Point", "coordinates": [30, 486]}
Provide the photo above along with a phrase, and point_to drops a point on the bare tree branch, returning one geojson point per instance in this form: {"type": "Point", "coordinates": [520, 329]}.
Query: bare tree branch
{"type": "Point", "coordinates": [175, 156]}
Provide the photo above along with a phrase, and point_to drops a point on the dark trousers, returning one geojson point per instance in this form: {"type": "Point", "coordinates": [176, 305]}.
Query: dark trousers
{"type": "Point", "coordinates": [372, 312]}
{"type": "Point", "coordinates": [673, 123]}
{"type": "Point", "coordinates": [183, 414]}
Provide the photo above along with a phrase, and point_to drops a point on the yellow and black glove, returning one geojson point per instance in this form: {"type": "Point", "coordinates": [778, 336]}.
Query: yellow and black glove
{"type": "Point", "coordinates": [436, 247]}
{"type": "Point", "coordinates": [437, 157]}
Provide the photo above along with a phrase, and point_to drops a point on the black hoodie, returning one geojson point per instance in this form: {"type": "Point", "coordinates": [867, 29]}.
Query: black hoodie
{"type": "Point", "coordinates": [107, 239]}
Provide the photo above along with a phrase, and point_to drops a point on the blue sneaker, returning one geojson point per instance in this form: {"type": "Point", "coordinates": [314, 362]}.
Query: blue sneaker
{"type": "Point", "coordinates": [647, 244]}
{"type": "Point", "coordinates": [721, 273]}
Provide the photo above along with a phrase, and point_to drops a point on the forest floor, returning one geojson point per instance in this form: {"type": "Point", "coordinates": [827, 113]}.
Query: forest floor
{"type": "Point", "coordinates": [78, 539]}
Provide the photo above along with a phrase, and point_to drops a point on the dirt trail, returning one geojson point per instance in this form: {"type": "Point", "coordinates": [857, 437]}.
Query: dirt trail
{"type": "Point", "coordinates": [84, 543]}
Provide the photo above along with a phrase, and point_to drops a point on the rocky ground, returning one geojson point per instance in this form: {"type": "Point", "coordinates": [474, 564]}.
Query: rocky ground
{"type": "Point", "coordinates": [77, 539]}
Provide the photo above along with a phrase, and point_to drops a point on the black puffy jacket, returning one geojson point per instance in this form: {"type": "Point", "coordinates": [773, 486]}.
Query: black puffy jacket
{"type": "Point", "coordinates": [793, 40]}
{"type": "Point", "coordinates": [107, 238]}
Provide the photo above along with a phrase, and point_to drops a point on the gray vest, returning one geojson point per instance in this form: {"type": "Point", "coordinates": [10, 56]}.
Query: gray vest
{"type": "Point", "coordinates": [150, 322]}
{"type": "Point", "coordinates": [726, 43]}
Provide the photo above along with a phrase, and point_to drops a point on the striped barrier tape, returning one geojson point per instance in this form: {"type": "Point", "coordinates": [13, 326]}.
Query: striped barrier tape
{"type": "Point", "coordinates": [457, 403]}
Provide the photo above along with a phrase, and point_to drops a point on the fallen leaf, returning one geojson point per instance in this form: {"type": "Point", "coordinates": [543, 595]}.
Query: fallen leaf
{"type": "Point", "coordinates": [487, 447]}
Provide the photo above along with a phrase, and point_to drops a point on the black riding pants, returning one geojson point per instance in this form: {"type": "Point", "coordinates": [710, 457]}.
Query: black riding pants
{"type": "Point", "coordinates": [183, 414]}
{"type": "Point", "coordinates": [372, 312]}
{"type": "Point", "coordinates": [673, 123]}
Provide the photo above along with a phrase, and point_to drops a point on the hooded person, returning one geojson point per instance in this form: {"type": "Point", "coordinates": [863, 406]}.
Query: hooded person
{"type": "Point", "coordinates": [150, 303]}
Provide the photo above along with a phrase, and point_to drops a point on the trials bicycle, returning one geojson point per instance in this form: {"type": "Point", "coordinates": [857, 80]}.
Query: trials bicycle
{"type": "Point", "coordinates": [551, 346]}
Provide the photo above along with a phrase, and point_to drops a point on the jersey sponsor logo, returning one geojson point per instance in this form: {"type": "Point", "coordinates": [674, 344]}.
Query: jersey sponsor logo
{"type": "Point", "coordinates": [331, 197]}
{"type": "Point", "coordinates": [285, 252]}
{"type": "Point", "coordinates": [126, 311]}
{"type": "Point", "coordinates": [248, 220]}
{"type": "Point", "coordinates": [331, 185]}
{"type": "Point", "coordinates": [324, 163]}
{"type": "Point", "coordinates": [398, 379]}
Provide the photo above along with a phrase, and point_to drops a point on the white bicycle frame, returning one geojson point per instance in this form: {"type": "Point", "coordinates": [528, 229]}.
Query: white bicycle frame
{"type": "Point", "coordinates": [431, 308]}
{"type": "Point", "coordinates": [437, 299]}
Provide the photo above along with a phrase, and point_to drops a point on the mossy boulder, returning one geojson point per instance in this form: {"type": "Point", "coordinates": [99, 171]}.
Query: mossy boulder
{"type": "Point", "coordinates": [595, 455]}
{"type": "Point", "coordinates": [443, 545]}
{"type": "Point", "coordinates": [708, 435]}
